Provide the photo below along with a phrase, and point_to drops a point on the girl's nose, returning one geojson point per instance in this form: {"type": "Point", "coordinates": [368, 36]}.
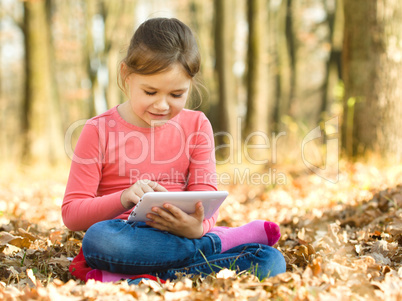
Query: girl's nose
{"type": "Point", "coordinates": [161, 104]}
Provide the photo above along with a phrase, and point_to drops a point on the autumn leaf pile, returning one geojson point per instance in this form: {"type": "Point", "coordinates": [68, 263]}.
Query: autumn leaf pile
{"type": "Point", "coordinates": [341, 241]}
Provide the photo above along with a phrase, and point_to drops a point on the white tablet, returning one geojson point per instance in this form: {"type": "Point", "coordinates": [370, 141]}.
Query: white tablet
{"type": "Point", "coordinates": [185, 200]}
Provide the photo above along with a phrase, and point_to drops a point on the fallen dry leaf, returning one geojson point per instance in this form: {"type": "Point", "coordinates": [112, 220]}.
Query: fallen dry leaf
{"type": "Point", "coordinates": [340, 241]}
{"type": "Point", "coordinates": [18, 241]}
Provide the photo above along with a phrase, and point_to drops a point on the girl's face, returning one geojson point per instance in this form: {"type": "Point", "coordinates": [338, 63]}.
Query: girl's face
{"type": "Point", "coordinates": [155, 99]}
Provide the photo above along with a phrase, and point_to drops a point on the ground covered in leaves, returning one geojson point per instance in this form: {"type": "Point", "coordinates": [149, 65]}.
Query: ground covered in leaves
{"type": "Point", "coordinates": [341, 241]}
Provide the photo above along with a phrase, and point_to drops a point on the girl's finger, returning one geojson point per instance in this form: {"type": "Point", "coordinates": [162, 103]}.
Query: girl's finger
{"type": "Point", "coordinates": [156, 225]}
{"type": "Point", "coordinates": [138, 191]}
{"type": "Point", "coordinates": [159, 187]}
{"type": "Point", "coordinates": [176, 212]}
{"type": "Point", "coordinates": [135, 198]}
{"type": "Point", "coordinates": [156, 186]}
{"type": "Point", "coordinates": [146, 188]}
{"type": "Point", "coordinates": [164, 216]}
{"type": "Point", "coordinates": [152, 216]}
{"type": "Point", "coordinates": [154, 219]}
{"type": "Point", "coordinates": [199, 211]}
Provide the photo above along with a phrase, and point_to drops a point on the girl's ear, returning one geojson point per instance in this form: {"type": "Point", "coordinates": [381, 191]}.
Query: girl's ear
{"type": "Point", "coordinates": [123, 72]}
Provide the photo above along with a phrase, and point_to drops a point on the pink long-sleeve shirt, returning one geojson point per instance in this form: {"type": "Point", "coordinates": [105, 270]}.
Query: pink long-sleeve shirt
{"type": "Point", "coordinates": [112, 154]}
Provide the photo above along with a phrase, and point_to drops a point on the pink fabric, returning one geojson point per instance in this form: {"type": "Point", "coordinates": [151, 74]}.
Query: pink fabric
{"type": "Point", "coordinates": [112, 154]}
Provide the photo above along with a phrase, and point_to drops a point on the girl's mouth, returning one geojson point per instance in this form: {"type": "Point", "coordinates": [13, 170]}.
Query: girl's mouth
{"type": "Point", "coordinates": [158, 116]}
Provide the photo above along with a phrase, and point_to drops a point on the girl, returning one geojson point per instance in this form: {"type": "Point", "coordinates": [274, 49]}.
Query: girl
{"type": "Point", "coordinates": [151, 143]}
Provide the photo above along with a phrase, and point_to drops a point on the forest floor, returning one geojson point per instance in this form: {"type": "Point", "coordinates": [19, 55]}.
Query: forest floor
{"type": "Point", "coordinates": [341, 241]}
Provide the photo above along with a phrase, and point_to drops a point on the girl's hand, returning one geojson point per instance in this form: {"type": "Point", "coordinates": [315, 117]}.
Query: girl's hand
{"type": "Point", "coordinates": [175, 221]}
{"type": "Point", "coordinates": [131, 196]}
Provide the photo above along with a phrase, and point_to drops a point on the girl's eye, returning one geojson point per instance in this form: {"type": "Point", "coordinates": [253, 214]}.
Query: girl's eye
{"type": "Point", "coordinates": [177, 95]}
{"type": "Point", "coordinates": [149, 93]}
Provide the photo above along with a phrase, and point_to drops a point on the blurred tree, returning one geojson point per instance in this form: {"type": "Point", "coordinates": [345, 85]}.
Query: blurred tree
{"type": "Point", "coordinates": [89, 49]}
{"type": "Point", "coordinates": [68, 40]}
{"type": "Point", "coordinates": [119, 27]}
{"type": "Point", "coordinates": [372, 65]}
{"type": "Point", "coordinates": [198, 14]}
{"type": "Point", "coordinates": [310, 28]}
{"type": "Point", "coordinates": [1, 44]}
{"type": "Point", "coordinates": [3, 133]}
{"type": "Point", "coordinates": [257, 64]}
{"type": "Point", "coordinates": [282, 53]}
{"type": "Point", "coordinates": [11, 80]}
{"type": "Point", "coordinates": [224, 115]}
{"type": "Point", "coordinates": [333, 64]}
{"type": "Point", "coordinates": [104, 53]}
{"type": "Point", "coordinates": [291, 48]}
{"type": "Point", "coordinates": [273, 81]}
{"type": "Point", "coordinates": [41, 122]}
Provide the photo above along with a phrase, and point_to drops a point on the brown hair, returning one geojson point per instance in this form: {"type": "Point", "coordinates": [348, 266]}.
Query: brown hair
{"type": "Point", "coordinates": [156, 45]}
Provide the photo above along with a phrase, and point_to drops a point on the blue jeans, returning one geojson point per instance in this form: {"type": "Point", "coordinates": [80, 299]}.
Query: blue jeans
{"type": "Point", "coordinates": [121, 247]}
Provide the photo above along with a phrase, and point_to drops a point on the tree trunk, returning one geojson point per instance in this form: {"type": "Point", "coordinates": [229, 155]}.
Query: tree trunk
{"type": "Point", "coordinates": [199, 15]}
{"type": "Point", "coordinates": [226, 112]}
{"type": "Point", "coordinates": [291, 47]}
{"type": "Point", "coordinates": [42, 122]}
{"type": "Point", "coordinates": [284, 71]}
{"type": "Point", "coordinates": [257, 62]}
{"type": "Point", "coordinates": [372, 65]}
{"type": "Point", "coordinates": [118, 18]}
{"type": "Point", "coordinates": [273, 80]}
{"type": "Point", "coordinates": [325, 102]}
{"type": "Point", "coordinates": [88, 49]}
{"type": "Point", "coordinates": [3, 133]}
